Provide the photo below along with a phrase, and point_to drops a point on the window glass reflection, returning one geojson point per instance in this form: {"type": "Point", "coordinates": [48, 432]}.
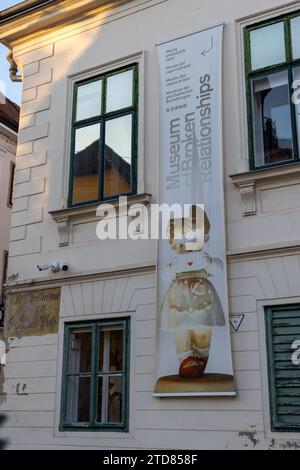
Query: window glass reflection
{"type": "Point", "coordinates": [78, 400]}
{"type": "Point", "coordinates": [80, 351]}
{"type": "Point", "coordinates": [88, 100]}
{"type": "Point", "coordinates": [116, 350]}
{"type": "Point", "coordinates": [118, 155]}
{"type": "Point", "coordinates": [86, 164]}
{"type": "Point", "coordinates": [295, 30]}
{"type": "Point", "coordinates": [267, 46]}
{"type": "Point", "coordinates": [115, 399]}
{"type": "Point", "coordinates": [272, 128]}
{"type": "Point", "coordinates": [296, 100]}
{"type": "Point", "coordinates": [119, 91]}
{"type": "Point", "coordinates": [100, 399]}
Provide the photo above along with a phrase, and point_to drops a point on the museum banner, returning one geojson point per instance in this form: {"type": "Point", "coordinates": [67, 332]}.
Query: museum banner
{"type": "Point", "coordinates": [194, 352]}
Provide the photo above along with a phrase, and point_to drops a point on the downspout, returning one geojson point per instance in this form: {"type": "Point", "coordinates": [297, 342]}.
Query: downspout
{"type": "Point", "coordinates": [13, 68]}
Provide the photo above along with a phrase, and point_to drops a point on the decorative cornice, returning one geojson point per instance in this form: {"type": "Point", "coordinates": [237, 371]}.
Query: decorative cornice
{"type": "Point", "coordinates": [265, 251]}
{"type": "Point", "coordinates": [63, 217]}
{"type": "Point", "coordinates": [248, 196]}
{"type": "Point", "coordinates": [247, 183]}
{"type": "Point", "coordinates": [267, 174]}
{"type": "Point", "coordinates": [50, 14]}
{"type": "Point", "coordinates": [30, 284]}
{"type": "Point", "coordinates": [63, 231]}
{"type": "Point", "coordinates": [6, 143]}
{"type": "Point", "coordinates": [22, 9]}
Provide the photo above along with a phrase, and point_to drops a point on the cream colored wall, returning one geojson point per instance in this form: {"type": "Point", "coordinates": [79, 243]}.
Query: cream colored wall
{"type": "Point", "coordinates": [242, 422]}
{"type": "Point", "coordinates": [51, 62]}
{"type": "Point", "coordinates": [8, 143]}
{"type": "Point", "coordinates": [255, 279]}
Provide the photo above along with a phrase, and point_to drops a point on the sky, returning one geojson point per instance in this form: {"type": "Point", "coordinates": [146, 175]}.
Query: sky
{"type": "Point", "coordinates": [10, 89]}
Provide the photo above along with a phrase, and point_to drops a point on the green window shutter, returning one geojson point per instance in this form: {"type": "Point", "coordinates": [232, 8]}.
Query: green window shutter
{"type": "Point", "coordinates": [282, 329]}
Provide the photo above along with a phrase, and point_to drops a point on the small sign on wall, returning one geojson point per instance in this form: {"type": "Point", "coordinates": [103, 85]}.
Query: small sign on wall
{"type": "Point", "coordinates": [236, 320]}
{"type": "Point", "coordinates": [32, 313]}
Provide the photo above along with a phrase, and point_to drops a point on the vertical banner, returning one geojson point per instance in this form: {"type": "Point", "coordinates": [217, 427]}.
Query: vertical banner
{"type": "Point", "coordinates": [194, 352]}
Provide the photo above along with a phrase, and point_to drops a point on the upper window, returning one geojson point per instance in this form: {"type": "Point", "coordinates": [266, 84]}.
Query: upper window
{"type": "Point", "coordinates": [11, 185]}
{"type": "Point", "coordinates": [272, 53]}
{"type": "Point", "coordinates": [95, 375]}
{"type": "Point", "coordinates": [3, 281]}
{"type": "Point", "coordinates": [104, 137]}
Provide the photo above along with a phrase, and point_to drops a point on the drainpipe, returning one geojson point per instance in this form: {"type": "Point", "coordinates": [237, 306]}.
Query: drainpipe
{"type": "Point", "coordinates": [13, 68]}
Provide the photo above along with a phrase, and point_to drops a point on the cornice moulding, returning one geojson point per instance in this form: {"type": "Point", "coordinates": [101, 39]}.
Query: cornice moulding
{"type": "Point", "coordinates": [60, 12]}
{"type": "Point", "coordinates": [58, 281]}
{"type": "Point", "coordinates": [9, 133]}
{"type": "Point", "coordinates": [248, 182]}
{"type": "Point", "coordinates": [265, 251]}
{"type": "Point", "coordinates": [64, 217]}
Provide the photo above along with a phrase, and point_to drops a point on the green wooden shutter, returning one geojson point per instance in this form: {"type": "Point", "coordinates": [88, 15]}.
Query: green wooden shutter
{"type": "Point", "coordinates": [282, 329]}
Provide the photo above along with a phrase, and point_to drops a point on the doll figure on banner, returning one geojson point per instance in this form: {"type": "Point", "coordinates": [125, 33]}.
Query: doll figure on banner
{"type": "Point", "coordinates": [191, 307]}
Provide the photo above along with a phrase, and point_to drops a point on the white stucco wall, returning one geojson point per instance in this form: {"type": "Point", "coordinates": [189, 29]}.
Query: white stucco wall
{"type": "Point", "coordinates": [8, 143]}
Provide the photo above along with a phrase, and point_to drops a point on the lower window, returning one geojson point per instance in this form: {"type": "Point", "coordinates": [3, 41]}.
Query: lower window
{"type": "Point", "coordinates": [96, 376]}
{"type": "Point", "coordinates": [283, 339]}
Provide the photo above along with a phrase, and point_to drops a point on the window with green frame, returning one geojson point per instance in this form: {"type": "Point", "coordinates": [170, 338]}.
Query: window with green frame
{"type": "Point", "coordinates": [272, 65]}
{"type": "Point", "coordinates": [95, 383]}
{"type": "Point", "coordinates": [282, 330]}
{"type": "Point", "coordinates": [104, 137]}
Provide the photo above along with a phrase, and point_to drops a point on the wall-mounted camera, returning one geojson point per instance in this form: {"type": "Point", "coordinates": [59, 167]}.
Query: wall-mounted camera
{"type": "Point", "coordinates": [54, 267]}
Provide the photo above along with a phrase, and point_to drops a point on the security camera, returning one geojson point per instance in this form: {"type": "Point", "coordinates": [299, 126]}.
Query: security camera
{"type": "Point", "coordinates": [54, 267]}
{"type": "Point", "coordinates": [43, 267]}
{"type": "Point", "coordinates": [64, 266]}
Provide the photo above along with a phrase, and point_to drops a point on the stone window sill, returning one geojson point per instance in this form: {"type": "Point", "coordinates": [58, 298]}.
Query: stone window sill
{"type": "Point", "coordinates": [64, 217]}
{"type": "Point", "coordinates": [249, 181]}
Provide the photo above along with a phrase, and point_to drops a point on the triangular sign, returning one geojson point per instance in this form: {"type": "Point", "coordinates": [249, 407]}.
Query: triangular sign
{"type": "Point", "coordinates": [235, 321]}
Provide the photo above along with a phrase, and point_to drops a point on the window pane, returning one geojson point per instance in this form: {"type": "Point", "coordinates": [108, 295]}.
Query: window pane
{"type": "Point", "coordinates": [111, 349]}
{"type": "Point", "coordinates": [100, 407]}
{"type": "Point", "coordinates": [86, 164]}
{"type": "Point", "coordinates": [267, 46]}
{"type": "Point", "coordinates": [115, 400]}
{"type": "Point", "coordinates": [295, 29]}
{"type": "Point", "coordinates": [101, 351]}
{"type": "Point", "coordinates": [118, 156]}
{"type": "Point", "coordinates": [116, 351]}
{"type": "Point", "coordinates": [11, 184]}
{"type": "Point", "coordinates": [296, 100]}
{"type": "Point", "coordinates": [80, 351]}
{"type": "Point", "coordinates": [78, 400]}
{"type": "Point", "coordinates": [88, 100]}
{"type": "Point", "coordinates": [272, 118]}
{"type": "Point", "coordinates": [119, 91]}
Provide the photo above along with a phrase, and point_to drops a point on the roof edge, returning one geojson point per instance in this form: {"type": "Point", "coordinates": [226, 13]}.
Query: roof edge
{"type": "Point", "coordinates": [34, 18]}
{"type": "Point", "coordinates": [22, 9]}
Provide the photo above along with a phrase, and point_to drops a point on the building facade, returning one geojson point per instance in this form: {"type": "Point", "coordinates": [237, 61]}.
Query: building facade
{"type": "Point", "coordinates": [82, 373]}
{"type": "Point", "coordinates": [9, 121]}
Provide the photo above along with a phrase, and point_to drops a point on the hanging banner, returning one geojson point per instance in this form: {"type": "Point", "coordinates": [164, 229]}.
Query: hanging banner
{"type": "Point", "coordinates": [194, 352]}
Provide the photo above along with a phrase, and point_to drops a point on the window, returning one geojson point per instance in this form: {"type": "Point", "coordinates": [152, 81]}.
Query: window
{"type": "Point", "coordinates": [272, 64]}
{"type": "Point", "coordinates": [104, 137]}
{"type": "Point", "coordinates": [282, 330]}
{"type": "Point", "coordinates": [96, 376]}
{"type": "Point", "coordinates": [11, 184]}
{"type": "Point", "coordinates": [3, 280]}
{"type": "Point", "coordinates": [5, 265]}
